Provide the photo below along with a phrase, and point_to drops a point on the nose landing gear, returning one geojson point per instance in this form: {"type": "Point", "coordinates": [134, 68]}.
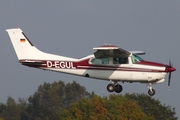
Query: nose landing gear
{"type": "Point", "coordinates": [151, 91]}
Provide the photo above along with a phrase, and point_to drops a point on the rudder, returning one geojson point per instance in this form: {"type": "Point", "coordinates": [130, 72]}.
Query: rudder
{"type": "Point", "coordinates": [22, 45]}
{"type": "Point", "coordinates": [26, 50]}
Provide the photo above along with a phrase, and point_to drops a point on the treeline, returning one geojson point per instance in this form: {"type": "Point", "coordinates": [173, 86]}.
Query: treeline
{"type": "Point", "coordinates": [60, 101]}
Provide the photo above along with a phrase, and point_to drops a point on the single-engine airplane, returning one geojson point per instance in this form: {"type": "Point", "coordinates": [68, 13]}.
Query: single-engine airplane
{"type": "Point", "coordinates": [107, 63]}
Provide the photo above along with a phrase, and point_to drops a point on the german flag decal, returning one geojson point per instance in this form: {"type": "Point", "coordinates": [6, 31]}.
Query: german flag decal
{"type": "Point", "coordinates": [22, 40]}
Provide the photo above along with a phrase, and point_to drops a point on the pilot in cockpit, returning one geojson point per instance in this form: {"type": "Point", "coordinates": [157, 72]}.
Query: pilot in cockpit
{"type": "Point", "coordinates": [120, 60]}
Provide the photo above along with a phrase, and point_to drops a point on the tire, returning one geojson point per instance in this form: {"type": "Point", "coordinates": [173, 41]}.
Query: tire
{"type": "Point", "coordinates": [151, 93]}
{"type": "Point", "coordinates": [118, 88]}
{"type": "Point", "coordinates": [110, 88]}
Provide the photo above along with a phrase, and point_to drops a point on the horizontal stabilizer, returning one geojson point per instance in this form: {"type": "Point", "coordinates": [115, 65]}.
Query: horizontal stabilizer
{"type": "Point", "coordinates": [31, 62]}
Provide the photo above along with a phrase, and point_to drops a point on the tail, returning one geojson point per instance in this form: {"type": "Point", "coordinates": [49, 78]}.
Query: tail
{"type": "Point", "coordinates": [25, 50]}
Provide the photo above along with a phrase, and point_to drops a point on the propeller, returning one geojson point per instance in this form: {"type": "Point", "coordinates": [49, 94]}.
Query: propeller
{"type": "Point", "coordinates": [170, 70]}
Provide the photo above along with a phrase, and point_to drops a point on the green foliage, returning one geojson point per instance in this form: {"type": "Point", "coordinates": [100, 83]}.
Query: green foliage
{"type": "Point", "coordinates": [50, 99]}
{"type": "Point", "coordinates": [123, 109]}
{"type": "Point", "coordinates": [12, 110]}
{"type": "Point", "coordinates": [153, 108]}
{"type": "Point", "coordinates": [60, 101]}
{"type": "Point", "coordinates": [97, 108]}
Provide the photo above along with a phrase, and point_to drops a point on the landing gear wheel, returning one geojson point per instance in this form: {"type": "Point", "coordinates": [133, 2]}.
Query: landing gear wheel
{"type": "Point", "coordinates": [118, 88]}
{"type": "Point", "coordinates": [151, 92]}
{"type": "Point", "coordinates": [110, 87]}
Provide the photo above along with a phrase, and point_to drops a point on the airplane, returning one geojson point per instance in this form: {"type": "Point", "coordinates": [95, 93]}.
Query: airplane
{"type": "Point", "coordinates": [108, 62]}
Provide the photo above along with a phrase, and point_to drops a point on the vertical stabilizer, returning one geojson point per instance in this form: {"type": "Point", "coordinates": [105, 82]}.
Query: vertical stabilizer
{"type": "Point", "coordinates": [26, 50]}
{"type": "Point", "coordinates": [20, 43]}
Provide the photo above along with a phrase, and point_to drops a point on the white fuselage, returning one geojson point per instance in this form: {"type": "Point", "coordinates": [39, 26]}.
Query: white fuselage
{"type": "Point", "coordinates": [117, 72]}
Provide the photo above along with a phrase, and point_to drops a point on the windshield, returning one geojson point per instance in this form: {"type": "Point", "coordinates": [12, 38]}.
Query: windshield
{"type": "Point", "coordinates": [136, 58]}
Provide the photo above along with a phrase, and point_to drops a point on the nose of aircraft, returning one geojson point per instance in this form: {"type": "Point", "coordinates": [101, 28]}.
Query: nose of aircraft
{"type": "Point", "coordinates": [170, 69]}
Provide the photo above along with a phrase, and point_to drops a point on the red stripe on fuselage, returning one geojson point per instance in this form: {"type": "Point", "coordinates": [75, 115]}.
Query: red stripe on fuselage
{"type": "Point", "coordinates": [84, 64]}
{"type": "Point", "coordinates": [118, 68]}
{"type": "Point", "coordinates": [143, 62]}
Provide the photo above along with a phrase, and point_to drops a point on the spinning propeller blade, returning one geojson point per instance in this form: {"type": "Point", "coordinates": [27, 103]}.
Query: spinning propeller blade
{"type": "Point", "coordinates": [169, 78]}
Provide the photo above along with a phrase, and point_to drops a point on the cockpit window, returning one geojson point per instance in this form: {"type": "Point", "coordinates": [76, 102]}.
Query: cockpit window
{"type": "Point", "coordinates": [121, 60]}
{"type": "Point", "coordinates": [100, 61]}
{"type": "Point", "coordinates": [136, 58]}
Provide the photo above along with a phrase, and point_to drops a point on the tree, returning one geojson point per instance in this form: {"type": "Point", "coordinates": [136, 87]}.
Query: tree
{"type": "Point", "coordinates": [12, 110]}
{"type": "Point", "coordinates": [116, 107]}
{"type": "Point", "coordinates": [71, 101]}
{"type": "Point", "coordinates": [121, 108]}
{"type": "Point", "coordinates": [153, 108]}
{"type": "Point", "coordinates": [50, 99]}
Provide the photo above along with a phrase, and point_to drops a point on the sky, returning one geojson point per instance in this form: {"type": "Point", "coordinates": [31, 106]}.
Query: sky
{"type": "Point", "coordinates": [73, 27]}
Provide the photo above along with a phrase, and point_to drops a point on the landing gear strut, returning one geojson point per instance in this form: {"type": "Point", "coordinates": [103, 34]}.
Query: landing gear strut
{"type": "Point", "coordinates": [151, 91]}
{"type": "Point", "coordinates": [114, 87]}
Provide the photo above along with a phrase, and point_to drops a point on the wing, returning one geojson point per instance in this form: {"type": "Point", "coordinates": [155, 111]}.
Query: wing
{"type": "Point", "coordinates": [137, 52]}
{"type": "Point", "coordinates": [110, 51]}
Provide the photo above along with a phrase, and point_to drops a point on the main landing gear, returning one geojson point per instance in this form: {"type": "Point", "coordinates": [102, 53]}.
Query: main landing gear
{"type": "Point", "coordinates": [114, 87]}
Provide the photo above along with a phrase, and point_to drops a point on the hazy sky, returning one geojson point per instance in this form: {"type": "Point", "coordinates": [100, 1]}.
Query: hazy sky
{"type": "Point", "coordinates": [73, 27]}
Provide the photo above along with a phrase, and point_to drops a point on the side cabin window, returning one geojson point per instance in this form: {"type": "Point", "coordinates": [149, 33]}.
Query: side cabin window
{"type": "Point", "coordinates": [121, 60]}
{"type": "Point", "coordinates": [100, 61]}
